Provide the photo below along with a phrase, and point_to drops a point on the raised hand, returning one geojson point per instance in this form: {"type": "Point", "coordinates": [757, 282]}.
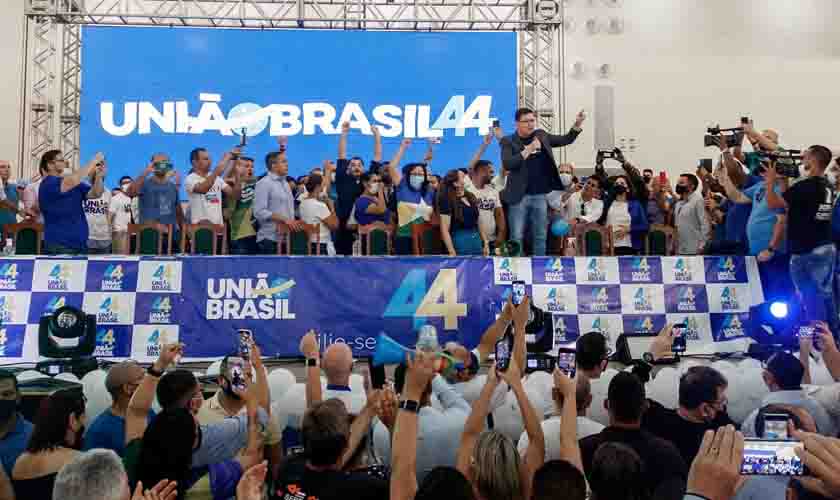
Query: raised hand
{"type": "Point", "coordinates": [345, 127]}
{"type": "Point", "coordinates": [309, 344]}
{"type": "Point", "coordinates": [580, 118]}
{"type": "Point", "coordinates": [716, 469]}
{"type": "Point", "coordinates": [251, 483]}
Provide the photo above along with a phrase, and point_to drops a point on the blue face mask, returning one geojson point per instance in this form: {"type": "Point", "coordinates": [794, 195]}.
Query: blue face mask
{"type": "Point", "coordinates": [416, 181]}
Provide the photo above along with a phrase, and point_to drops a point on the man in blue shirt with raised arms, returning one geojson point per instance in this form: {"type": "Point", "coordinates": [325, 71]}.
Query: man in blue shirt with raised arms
{"type": "Point", "coordinates": [61, 199]}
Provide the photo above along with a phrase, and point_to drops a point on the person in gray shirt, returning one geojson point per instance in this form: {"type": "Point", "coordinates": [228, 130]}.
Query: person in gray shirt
{"type": "Point", "coordinates": [160, 200]}
{"type": "Point", "coordinates": [274, 203]}
{"type": "Point", "coordinates": [690, 216]}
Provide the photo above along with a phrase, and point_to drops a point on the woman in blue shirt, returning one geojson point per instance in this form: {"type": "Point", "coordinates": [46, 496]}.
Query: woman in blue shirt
{"type": "Point", "coordinates": [415, 199]}
{"type": "Point", "coordinates": [458, 210]}
{"type": "Point", "coordinates": [370, 206]}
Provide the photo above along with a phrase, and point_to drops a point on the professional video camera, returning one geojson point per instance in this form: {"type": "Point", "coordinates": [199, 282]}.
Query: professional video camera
{"type": "Point", "coordinates": [787, 161]}
{"type": "Point", "coordinates": [732, 136]}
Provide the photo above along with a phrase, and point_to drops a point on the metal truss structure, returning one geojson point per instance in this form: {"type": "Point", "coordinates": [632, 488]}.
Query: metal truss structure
{"type": "Point", "coordinates": [52, 78]}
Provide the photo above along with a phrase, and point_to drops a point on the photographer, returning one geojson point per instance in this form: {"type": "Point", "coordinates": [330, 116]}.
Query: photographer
{"type": "Point", "coordinates": [532, 173]}
{"type": "Point", "coordinates": [809, 206]}
{"type": "Point", "coordinates": [625, 200]}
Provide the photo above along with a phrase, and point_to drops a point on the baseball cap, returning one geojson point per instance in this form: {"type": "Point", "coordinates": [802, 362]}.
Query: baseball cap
{"type": "Point", "coordinates": [787, 370]}
{"type": "Point", "coordinates": [127, 372]}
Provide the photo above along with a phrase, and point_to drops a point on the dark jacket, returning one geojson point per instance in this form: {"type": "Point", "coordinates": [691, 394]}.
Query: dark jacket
{"type": "Point", "coordinates": [636, 202]}
{"type": "Point", "coordinates": [517, 179]}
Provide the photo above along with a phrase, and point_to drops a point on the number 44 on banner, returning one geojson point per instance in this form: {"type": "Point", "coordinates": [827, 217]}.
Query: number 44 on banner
{"type": "Point", "coordinates": [414, 300]}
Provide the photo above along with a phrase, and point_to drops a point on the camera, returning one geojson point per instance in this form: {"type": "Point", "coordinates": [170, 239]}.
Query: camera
{"type": "Point", "coordinates": [608, 154]}
{"type": "Point", "coordinates": [732, 136]}
{"type": "Point", "coordinates": [787, 161]}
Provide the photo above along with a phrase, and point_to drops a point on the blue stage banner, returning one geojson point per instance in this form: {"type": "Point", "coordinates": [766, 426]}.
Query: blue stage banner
{"type": "Point", "coordinates": [142, 303]}
{"type": "Point", "coordinates": [171, 90]}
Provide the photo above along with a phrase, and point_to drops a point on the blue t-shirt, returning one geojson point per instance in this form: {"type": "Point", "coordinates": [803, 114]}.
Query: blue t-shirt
{"type": "Point", "coordinates": [738, 214]}
{"type": "Point", "coordinates": [64, 216]}
{"type": "Point", "coordinates": [364, 218]}
{"type": "Point", "coordinates": [762, 219]}
{"type": "Point", "coordinates": [158, 202]}
{"type": "Point", "coordinates": [13, 444]}
{"type": "Point", "coordinates": [7, 216]}
{"type": "Point", "coordinates": [107, 431]}
{"type": "Point", "coordinates": [835, 222]}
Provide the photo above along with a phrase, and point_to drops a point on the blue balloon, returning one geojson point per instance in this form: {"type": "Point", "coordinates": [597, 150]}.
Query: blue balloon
{"type": "Point", "coordinates": [559, 227]}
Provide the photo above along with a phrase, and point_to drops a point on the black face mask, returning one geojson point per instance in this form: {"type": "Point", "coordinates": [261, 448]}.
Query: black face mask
{"type": "Point", "coordinates": [648, 178]}
{"type": "Point", "coordinates": [8, 407]}
{"type": "Point", "coordinates": [620, 189]}
{"type": "Point", "coordinates": [681, 189]}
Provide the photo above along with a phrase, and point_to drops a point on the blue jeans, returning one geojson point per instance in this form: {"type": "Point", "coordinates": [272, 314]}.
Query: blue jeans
{"type": "Point", "coordinates": [59, 249]}
{"type": "Point", "coordinates": [244, 246]}
{"type": "Point", "coordinates": [532, 209]}
{"type": "Point", "coordinates": [812, 274]}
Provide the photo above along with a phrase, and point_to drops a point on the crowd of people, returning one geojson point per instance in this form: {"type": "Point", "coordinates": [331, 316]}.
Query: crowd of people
{"type": "Point", "coordinates": [433, 430]}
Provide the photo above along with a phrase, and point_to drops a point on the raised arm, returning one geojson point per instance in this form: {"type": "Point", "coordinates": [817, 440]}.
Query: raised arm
{"type": "Point", "coordinates": [137, 184]}
{"type": "Point", "coordinates": [377, 144]}
{"type": "Point", "coordinates": [207, 184]}
{"type": "Point", "coordinates": [535, 454]}
{"type": "Point", "coordinates": [494, 332]}
{"type": "Point", "coordinates": [404, 446]}
{"type": "Point", "coordinates": [71, 181]}
{"type": "Point", "coordinates": [755, 136]}
{"type": "Point", "coordinates": [394, 164]}
{"type": "Point", "coordinates": [729, 188]}
{"type": "Point", "coordinates": [98, 186]}
{"type": "Point", "coordinates": [831, 355]}
{"type": "Point", "coordinates": [565, 396]}
{"type": "Point", "coordinates": [557, 141]}
{"type": "Point", "coordinates": [342, 141]}
{"type": "Point", "coordinates": [448, 397]}
{"type": "Point", "coordinates": [475, 422]}
{"type": "Point", "coordinates": [141, 401]}
{"type": "Point", "coordinates": [309, 349]}
{"type": "Point", "coordinates": [261, 390]}
{"type": "Point", "coordinates": [774, 200]}
{"type": "Point", "coordinates": [520, 319]}
{"type": "Point", "coordinates": [480, 152]}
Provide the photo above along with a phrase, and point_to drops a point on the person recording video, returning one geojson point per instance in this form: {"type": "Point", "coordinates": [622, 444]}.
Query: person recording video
{"type": "Point", "coordinates": [809, 206]}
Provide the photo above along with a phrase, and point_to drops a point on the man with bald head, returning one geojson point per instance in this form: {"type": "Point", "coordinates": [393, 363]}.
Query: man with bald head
{"type": "Point", "coordinates": [337, 365]}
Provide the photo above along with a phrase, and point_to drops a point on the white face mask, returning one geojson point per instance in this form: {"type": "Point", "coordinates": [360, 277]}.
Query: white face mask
{"type": "Point", "coordinates": [374, 188]}
{"type": "Point", "coordinates": [566, 179]}
{"type": "Point", "coordinates": [332, 177]}
{"type": "Point", "coordinates": [125, 187]}
{"type": "Point", "coordinates": [831, 175]}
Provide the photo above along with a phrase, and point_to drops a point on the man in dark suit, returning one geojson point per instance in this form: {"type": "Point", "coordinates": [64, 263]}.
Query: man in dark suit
{"type": "Point", "coordinates": [532, 173]}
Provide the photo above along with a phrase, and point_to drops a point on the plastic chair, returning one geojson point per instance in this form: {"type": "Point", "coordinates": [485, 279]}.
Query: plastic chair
{"type": "Point", "coordinates": [594, 239]}
{"type": "Point", "coordinates": [376, 239]}
{"type": "Point", "coordinates": [27, 236]}
{"type": "Point", "coordinates": [660, 240]}
{"type": "Point", "coordinates": [300, 242]}
{"type": "Point", "coordinates": [205, 238]}
{"type": "Point", "coordinates": [150, 238]}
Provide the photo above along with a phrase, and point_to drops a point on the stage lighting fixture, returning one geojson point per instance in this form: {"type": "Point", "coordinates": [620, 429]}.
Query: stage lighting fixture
{"type": "Point", "coordinates": [68, 336]}
{"type": "Point", "coordinates": [775, 323]}
{"type": "Point", "coordinates": [779, 310]}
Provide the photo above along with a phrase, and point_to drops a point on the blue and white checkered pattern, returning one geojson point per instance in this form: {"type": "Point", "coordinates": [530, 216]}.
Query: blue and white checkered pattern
{"type": "Point", "coordinates": [139, 303]}
{"type": "Point", "coordinates": [613, 295]}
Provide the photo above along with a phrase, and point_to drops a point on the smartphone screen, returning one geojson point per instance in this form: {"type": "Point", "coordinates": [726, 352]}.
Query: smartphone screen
{"type": "Point", "coordinates": [566, 362]}
{"type": "Point", "coordinates": [245, 338]}
{"type": "Point", "coordinates": [503, 353]}
{"type": "Point", "coordinates": [771, 457]}
{"type": "Point", "coordinates": [236, 372]}
{"type": "Point", "coordinates": [679, 338]}
{"type": "Point", "coordinates": [518, 292]}
{"type": "Point", "coordinates": [495, 123]}
{"type": "Point", "coordinates": [377, 374]}
{"type": "Point", "coordinates": [663, 177]}
{"type": "Point", "coordinates": [775, 426]}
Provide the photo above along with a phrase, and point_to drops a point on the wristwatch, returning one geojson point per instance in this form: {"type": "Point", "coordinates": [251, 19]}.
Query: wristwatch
{"type": "Point", "coordinates": [409, 405]}
{"type": "Point", "coordinates": [311, 361]}
{"type": "Point", "coordinates": [151, 371]}
{"type": "Point", "coordinates": [648, 358]}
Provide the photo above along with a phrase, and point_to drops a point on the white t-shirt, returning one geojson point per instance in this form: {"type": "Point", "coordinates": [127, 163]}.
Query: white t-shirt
{"type": "Point", "coordinates": [551, 431]}
{"type": "Point", "coordinates": [96, 212]}
{"type": "Point", "coordinates": [619, 215]}
{"type": "Point", "coordinates": [121, 211]}
{"type": "Point", "coordinates": [354, 401]}
{"type": "Point", "coordinates": [313, 211]}
{"type": "Point", "coordinates": [488, 201]}
{"type": "Point", "coordinates": [207, 206]}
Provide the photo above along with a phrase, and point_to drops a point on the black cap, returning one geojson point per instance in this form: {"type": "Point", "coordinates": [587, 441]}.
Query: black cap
{"type": "Point", "coordinates": [787, 370]}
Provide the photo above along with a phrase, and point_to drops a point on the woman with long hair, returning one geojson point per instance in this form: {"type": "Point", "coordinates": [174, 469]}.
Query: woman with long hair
{"type": "Point", "coordinates": [625, 207]}
{"type": "Point", "coordinates": [459, 209]}
{"type": "Point", "coordinates": [56, 440]}
{"type": "Point", "coordinates": [415, 198]}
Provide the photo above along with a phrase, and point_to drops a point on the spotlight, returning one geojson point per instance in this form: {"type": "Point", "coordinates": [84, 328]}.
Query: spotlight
{"type": "Point", "coordinates": [779, 310]}
{"type": "Point", "coordinates": [775, 323]}
{"type": "Point", "coordinates": [68, 336]}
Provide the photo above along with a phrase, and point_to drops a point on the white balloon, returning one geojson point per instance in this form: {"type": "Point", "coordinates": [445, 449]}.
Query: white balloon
{"type": "Point", "coordinates": [357, 383]}
{"type": "Point", "coordinates": [98, 398]}
{"type": "Point", "coordinates": [280, 380]}
{"type": "Point", "coordinates": [292, 404]}
{"type": "Point", "coordinates": [66, 376]}
{"type": "Point", "coordinates": [26, 376]}
{"type": "Point", "coordinates": [215, 368]}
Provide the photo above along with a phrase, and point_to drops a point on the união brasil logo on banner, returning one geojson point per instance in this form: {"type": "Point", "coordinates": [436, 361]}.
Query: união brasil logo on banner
{"type": "Point", "coordinates": [643, 300]}
{"type": "Point", "coordinates": [8, 276]}
{"type": "Point", "coordinates": [112, 278]}
{"type": "Point", "coordinates": [595, 270]}
{"type": "Point", "coordinates": [162, 279]}
{"type": "Point", "coordinates": [729, 299]}
{"type": "Point", "coordinates": [105, 341]}
{"type": "Point", "coordinates": [559, 270]}
{"type": "Point", "coordinates": [7, 308]}
{"type": "Point", "coordinates": [249, 298]}
{"type": "Point", "coordinates": [683, 270]}
{"type": "Point", "coordinates": [59, 277]}
{"type": "Point", "coordinates": [161, 311]}
{"type": "Point", "coordinates": [418, 300]}
{"type": "Point", "coordinates": [556, 301]}
{"type": "Point", "coordinates": [109, 311]}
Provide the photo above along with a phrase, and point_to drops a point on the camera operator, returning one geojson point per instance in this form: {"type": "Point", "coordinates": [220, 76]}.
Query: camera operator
{"type": "Point", "coordinates": [809, 206]}
{"type": "Point", "coordinates": [532, 173]}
